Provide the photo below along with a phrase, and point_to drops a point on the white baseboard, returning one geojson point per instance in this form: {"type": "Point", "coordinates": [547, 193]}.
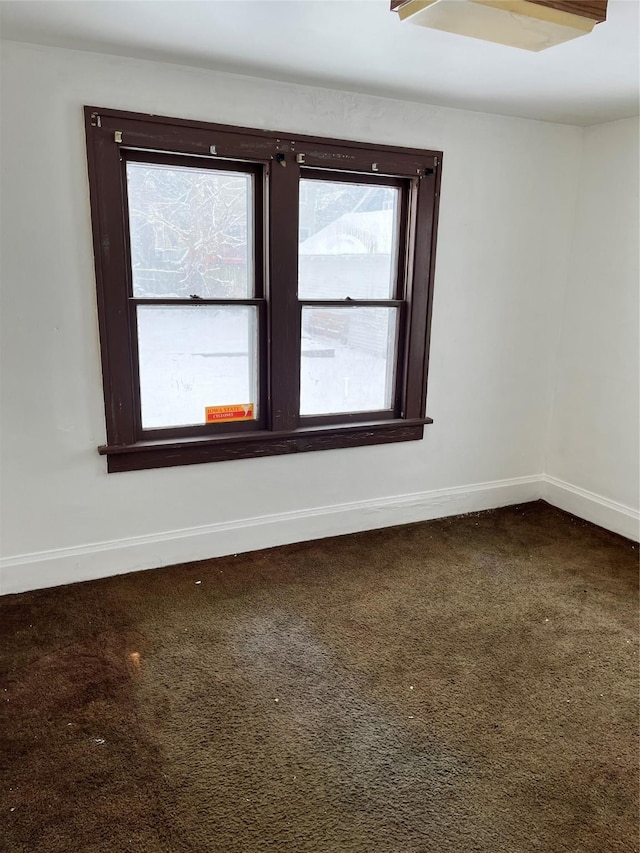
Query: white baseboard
{"type": "Point", "coordinates": [102, 559]}
{"type": "Point", "coordinates": [592, 507]}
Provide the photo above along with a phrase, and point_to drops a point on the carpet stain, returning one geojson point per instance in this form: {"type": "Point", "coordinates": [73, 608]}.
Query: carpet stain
{"type": "Point", "coordinates": [467, 684]}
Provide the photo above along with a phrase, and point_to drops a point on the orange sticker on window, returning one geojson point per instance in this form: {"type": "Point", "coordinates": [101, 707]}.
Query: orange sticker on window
{"type": "Point", "coordinates": [224, 414]}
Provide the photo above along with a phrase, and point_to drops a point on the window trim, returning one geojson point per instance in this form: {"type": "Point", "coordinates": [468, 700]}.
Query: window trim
{"type": "Point", "coordinates": [283, 430]}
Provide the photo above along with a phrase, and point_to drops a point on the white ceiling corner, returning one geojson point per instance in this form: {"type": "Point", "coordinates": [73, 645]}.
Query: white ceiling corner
{"type": "Point", "coordinates": [358, 45]}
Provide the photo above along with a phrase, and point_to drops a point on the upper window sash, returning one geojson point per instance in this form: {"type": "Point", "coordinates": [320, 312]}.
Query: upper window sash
{"type": "Point", "coordinates": [249, 217]}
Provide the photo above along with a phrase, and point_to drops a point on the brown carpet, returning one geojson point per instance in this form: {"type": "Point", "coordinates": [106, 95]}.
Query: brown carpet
{"type": "Point", "coordinates": [468, 684]}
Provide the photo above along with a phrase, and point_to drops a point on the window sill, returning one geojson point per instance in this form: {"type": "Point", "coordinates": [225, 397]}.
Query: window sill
{"type": "Point", "coordinates": [190, 451]}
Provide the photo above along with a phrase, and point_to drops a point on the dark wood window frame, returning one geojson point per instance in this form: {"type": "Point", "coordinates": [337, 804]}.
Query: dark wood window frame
{"type": "Point", "coordinates": [278, 161]}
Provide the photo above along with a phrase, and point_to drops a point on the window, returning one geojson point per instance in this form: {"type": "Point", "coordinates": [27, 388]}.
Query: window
{"type": "Point", "coordinates": [258, 293]}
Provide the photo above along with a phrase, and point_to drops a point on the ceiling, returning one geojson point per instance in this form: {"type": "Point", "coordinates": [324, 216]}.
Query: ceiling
{"type": "Point", "coordinates": [358, 45]}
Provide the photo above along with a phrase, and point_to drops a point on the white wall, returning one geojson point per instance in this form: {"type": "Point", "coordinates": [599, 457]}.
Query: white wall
{"type": "Point", "coordinates": [595, 430]}
{"type": "Point", "coordinates": [508, 197]}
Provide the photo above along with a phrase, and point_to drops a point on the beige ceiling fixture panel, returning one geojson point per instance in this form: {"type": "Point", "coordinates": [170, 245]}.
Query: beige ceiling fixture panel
{"type": "Point", "coordinates": [527, 24]}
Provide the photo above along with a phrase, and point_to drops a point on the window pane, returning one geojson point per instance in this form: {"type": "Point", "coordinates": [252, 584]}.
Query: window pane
{"type": "Point", "coordinates": [348, 240]}
{"type": "Point", "coordinates": [190, 232]}
{"type": "Point", "coordinates": [348, 359]}
{"type": "Point", "coordinates": [195, 357]}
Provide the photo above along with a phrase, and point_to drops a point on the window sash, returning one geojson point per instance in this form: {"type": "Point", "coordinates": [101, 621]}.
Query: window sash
{"type": "Point", "coordinates": [394, 411]}
{"type": "Point", "coordinates": [202, 430]}
{"type": "Point", "coordinates": [258, 300]}
{"type": "Point", "coordinates": [256, 170]}
{"type": "Point", "coordinates": [402, 213]}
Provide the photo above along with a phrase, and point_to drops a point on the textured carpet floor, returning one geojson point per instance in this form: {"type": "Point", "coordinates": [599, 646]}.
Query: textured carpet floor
{"type": "Point", "coordinates": [468, 684]}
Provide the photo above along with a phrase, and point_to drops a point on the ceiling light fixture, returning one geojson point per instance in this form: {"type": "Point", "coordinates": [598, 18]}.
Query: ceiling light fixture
{"type": "Point", "coordinates": [527, 24]}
